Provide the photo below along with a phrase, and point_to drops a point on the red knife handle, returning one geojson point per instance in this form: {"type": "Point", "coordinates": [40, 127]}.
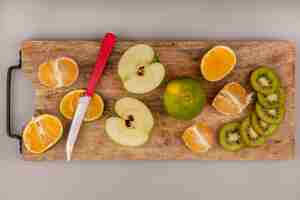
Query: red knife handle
{"type": "Point", "coordinates": [107, 45]}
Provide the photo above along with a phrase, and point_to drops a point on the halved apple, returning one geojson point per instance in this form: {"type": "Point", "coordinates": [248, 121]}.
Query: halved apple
{"type": "Point", "coordinates": [133, 125]}
{"type": "Point", "coordinates": [140, 70]}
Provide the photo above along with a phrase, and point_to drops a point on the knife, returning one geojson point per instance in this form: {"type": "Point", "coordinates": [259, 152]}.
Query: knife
{"type": "Point", "coordinates": [107, 45]}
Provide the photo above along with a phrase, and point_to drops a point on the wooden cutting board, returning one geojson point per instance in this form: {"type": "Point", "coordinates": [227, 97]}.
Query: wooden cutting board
{"type": "Point", "coordinates": [181, 58]}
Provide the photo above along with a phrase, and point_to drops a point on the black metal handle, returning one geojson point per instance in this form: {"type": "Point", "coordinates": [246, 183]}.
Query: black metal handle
{"type": "Point", "coordinates": [8, 105]}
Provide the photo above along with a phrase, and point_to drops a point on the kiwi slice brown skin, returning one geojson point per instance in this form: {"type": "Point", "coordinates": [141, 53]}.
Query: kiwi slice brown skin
{"type": "Point", "coordinates": [249, 136]}
{"type": "Point", "coordinates": [270, 77]}
{"type": "Point", "coordinates": [264, 99]}
{"type": "Point", "coordinates": [231, 131]}
{"type": "Point", "coordinates": [264, 114]}
{"type": "Point", "coordinates": [263, 128]}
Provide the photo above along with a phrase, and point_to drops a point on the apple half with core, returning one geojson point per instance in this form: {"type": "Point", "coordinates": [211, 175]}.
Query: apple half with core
{"type": "Point", "coordinates": [133, 124]}
{"type": "Point", "coordinates": [140, 70]}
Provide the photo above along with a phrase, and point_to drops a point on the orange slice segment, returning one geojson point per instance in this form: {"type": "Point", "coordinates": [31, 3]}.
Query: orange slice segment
{"type": "Point", "coordinates": [41, 133]}
{"type": "Point", "coordinates": [198, 138]}
{"type": "Point", "coordinates": [232, 99]}
{"type": "Point", "coordinates": [61, 72]}
{"type": "Point", "coordinates": [69, 103]}
{"type": "Point", "coordinates": [217, 63]}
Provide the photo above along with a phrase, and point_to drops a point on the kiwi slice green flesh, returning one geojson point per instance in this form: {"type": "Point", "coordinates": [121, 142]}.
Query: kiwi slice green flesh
{"type": "Point", "coordinates": [261, 127]}
{"type": "Point", "coordinates": [272, 115]}
{"type": "Point", "coordinates": [264, 80]}
{"type": "Point", "coordinates": [249, 136]}
{"type": "Point", "coordinates": [230, 138]}
{"type": "Point", "coordinates": [272, 100]}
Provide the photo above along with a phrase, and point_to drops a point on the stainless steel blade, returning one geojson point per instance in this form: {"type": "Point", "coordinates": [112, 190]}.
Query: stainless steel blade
{"type": "Point", "coordinates": [76, 123]}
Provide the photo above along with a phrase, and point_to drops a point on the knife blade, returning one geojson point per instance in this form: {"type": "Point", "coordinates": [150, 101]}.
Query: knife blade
{"type": "Point", "coordinates": [107, 45]}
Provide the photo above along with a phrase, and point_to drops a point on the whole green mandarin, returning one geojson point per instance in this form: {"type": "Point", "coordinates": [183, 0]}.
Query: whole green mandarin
{"type": "Point", "coordinates": [184, 98]}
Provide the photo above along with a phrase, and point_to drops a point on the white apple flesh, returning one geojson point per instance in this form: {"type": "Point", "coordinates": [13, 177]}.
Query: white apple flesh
{"type": "Point", "coordinates": [139, 71]}
{"type": "Point", "coordinates": [133, 125]}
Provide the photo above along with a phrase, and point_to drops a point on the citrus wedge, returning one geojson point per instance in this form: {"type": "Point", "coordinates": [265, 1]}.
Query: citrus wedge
{"type": "Point", "coordinates": [69, 103]}
{"type": "Point", "coordinates": [198, 138]}
{"type": "Point", "coordinates": [217, 63]}
{"type": "Point", "coordinates": [61, 72]}
{"type": "Point", "coordinates": [232, 99]}
{"type": "Point", "coordinates": [41, 133]}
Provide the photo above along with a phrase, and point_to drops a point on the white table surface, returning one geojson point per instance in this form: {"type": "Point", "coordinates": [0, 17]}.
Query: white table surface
{"type": "Point", "coordinates": [183, 19]}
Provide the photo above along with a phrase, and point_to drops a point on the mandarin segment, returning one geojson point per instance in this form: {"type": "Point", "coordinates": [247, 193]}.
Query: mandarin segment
{"type": "Point", "coordinates": [68, 70]}
{"type": "Point", "coordinates": [237, 90]}
{"type": "Point", "coordinates": [46, 74]}
{"type": "Point", "coordinates": [224, 105]}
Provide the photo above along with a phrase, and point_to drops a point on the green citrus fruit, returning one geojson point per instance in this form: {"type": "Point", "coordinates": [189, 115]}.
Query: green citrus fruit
{"type": "Point", "coordinates": [184, 98]}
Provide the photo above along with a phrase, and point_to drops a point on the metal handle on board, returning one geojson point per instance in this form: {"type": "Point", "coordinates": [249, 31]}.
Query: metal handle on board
{"type": "Point", "coordinates": [9, 130]}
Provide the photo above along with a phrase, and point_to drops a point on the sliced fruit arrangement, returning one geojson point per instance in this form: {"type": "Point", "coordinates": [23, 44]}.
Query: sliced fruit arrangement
{"type": "Point", "coordinates": [69, 102]}
{"type": "Point", "coordinates": [232, 99]}
{"type": "Point", "coordinates": [217, 63]}
{"type": "Point", "coordinates": [133, 125]}
{"type": "Point", "coordinates": [41, 133]}
{"type": "Point", "coordinates": [198, 138]}
{"type": "Point", "coordinates": [140, 70]}
{"type": "Point", "coordinates": [60, 72]}
{"type": "Point", "coordinates": [230, 137]}
{"type": "Point", "coordinates": [184, 98]}
{"type": "Point", "coordinates": [269, 109]}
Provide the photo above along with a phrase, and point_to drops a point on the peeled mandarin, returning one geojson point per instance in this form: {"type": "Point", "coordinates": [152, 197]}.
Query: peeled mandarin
{"type": "Point", "coordinates": [232, 99]}
{"type": "Point", "coordinates": [60, 72]}
{"type": "Point", "coordinates": [41, 133]}
{"type": "Point", "coordinates": [198, 138]}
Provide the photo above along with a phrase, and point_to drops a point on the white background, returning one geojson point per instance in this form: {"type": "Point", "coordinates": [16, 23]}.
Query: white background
{"type": "Point", "coordinates": [183, 19]}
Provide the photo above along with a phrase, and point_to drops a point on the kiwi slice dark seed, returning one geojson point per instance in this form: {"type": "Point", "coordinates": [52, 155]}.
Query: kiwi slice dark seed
{"type": "Point", "coordinates": [261, 127]}
{"type": "Point", "coordinates": [264, 80]}
{"type": "Point", "coordinates": [270, 115]}
{"type": "Point", "coordinates": [272, 100]}
{"type": "Point", "coordinates": [229, 136]}
{"type": "Point", "coordinates": [249, 136]}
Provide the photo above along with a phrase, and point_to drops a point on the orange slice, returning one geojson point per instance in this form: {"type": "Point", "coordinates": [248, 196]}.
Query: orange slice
{"type": "Point", "coordinates": [232, 99]}
{"type": "Point", "coordinates": [198, 138]}
{"type": "Point", "coordinates": [61, 72]}
{"type": "Point", "coordinates": [42, 132]}
{"type": "Point", "coordinates": [69, 103]}
{"type": "Point", "coordinates": [217, 63]}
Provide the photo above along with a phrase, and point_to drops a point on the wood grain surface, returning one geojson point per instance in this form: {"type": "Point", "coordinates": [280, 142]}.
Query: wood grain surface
{"type": "Point", "coordinates": [181, 58]}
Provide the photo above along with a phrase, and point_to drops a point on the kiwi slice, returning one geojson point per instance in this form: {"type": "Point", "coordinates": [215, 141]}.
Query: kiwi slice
{"type": "Point", "coordinates": [270, 115]}
{"type": "Point", "coordinates": [229, 136]}
{"type": "Point", "coordinates": [261, 127]}
{"type": "Point", "coordinates": [272, 100]}
{"type": "Point", "coordinates": [264, 80]}
{"type": "Point", "coordinates": [249, 136]}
